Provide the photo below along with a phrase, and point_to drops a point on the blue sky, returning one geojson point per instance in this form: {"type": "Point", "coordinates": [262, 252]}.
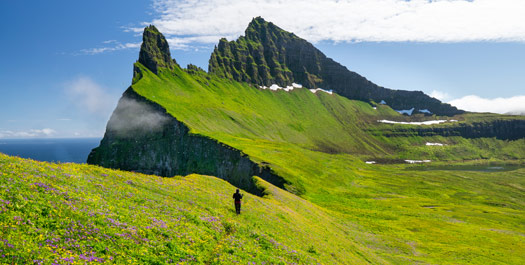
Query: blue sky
{"type": "Point", "coordinates": [66, 63]}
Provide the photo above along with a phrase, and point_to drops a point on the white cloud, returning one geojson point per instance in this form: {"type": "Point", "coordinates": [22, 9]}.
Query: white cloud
{"type": "Point", "coordinates": [46, 132]}
{"type": "Point", "coordinates": [187, 43]}
{"type": "Point", "coordinates": [116, 46]}
{"type": "Point", "coordinates": [512, 105]}
{"type": "Point", "coordinates": [89, 96]}
{"type": "Point", "coordinates": [439, 95]}
{"type": "Point", "coordinates": [204, 21]}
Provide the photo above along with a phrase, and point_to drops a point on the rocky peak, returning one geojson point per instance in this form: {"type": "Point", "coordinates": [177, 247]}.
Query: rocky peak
{"type": "Point", "coordinates": [155, 51]}
{"type": "Point", "coordinates": [269, 55]}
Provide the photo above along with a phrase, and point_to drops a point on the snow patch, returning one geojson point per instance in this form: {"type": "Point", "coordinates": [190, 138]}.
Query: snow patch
{"type": "Point", "coordinates": [382, 102]}
{"type": "Point", "coordinates": [276, 87]}
{"type": "Point", "coordinates": [425, 111]}
{"type": "Point", "coordinates": [434, 144]}
{"type": "Point", "coordinates": [417, 161]}
{"type": "Point", "coordinates": [406, 111]}
{"type": "Point", "coordinates": [370, 162]}
{"type": "Point", "coordinates": [374, 107]}
{"type": "Point", "coordinates": [320, 89]}
{"type": "Point", "coordinates": [416, 122]}
{"type": "Point", "coordinates": [288, 88]}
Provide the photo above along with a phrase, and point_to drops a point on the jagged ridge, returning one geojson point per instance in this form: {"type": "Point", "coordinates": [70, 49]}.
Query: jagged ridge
{"type": "Point", "coordinates": [269, 55]}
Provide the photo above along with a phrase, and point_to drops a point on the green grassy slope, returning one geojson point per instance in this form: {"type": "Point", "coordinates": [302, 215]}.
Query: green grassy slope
{"type": "Point", "coordinates": [232, 112]}
{"type": "Point", "coordinates": [73, 214]}
{"type": "Point", "coordinates": [226, 109]}
{"type": "Point", "coordinates": [317, 142]}
{"type": "Point", "coordinates": [277, 127]}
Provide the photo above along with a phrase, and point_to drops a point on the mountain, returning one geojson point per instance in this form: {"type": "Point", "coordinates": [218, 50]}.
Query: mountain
{"type": "Point", "coordinates": [150, 132]}
{"type": "Point", "coordinates": [268, 55]}
{"type": "Point", "coordinates": [319, 148]}
{"type": "Point", "coordinates": [181, 121]}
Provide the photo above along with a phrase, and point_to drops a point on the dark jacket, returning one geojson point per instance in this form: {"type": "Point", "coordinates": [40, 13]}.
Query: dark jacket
{"type": "Point", "coordinates": [237, 197]}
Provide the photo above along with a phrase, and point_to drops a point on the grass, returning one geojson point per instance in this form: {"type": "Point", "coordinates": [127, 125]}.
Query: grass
{"type": "Point", "coordinates": [340, 211]}
{"type": "Point", "coordinates": [76, 214]}
{"type": "Point", "coordinates": [318, 141]}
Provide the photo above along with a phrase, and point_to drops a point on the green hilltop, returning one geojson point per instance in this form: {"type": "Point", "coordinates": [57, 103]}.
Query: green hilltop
{"type": "Point", "coordinates": [313, 200]}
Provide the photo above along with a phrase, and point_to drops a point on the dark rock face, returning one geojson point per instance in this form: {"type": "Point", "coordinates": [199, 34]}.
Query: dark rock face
{"type": "Point", "coordinates": [268, 55]}
{"type": "Point", "coordinates": [513, 129]}
{"type": "Point", "coordinates": [154, 51]}
{"type": "Point", "coordinates": [141, 136]}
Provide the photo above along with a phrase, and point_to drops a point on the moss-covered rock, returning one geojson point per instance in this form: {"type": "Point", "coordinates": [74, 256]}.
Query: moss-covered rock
{"type": "Point", "coordinates": [154, 51]}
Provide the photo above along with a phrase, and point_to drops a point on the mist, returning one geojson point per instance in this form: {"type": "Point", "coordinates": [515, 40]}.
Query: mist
{"type": "Point", "coordinates": [132, 117]}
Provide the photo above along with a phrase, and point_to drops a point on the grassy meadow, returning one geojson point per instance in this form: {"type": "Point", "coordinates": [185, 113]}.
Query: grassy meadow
{"type": "Point", "coordinates": [396, 214]}
{"type": "Point", "coordinates": [77, 214]}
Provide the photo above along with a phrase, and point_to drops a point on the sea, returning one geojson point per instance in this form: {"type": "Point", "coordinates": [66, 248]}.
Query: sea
{"type": "Point", "coordinates": [74, 150]}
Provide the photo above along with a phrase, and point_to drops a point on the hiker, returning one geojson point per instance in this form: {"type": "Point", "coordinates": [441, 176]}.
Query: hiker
{"type": "Point", "coordinates": [237, 197]}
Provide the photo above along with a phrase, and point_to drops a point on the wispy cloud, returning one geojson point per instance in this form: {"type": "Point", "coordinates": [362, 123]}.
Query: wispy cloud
{"type": "Point", "coordinates": [511, 105]}
{"type": "Point", "coordinates": [111, 45]}
{"type": "Point", "coordinates": [439, 95]}
{"type": "Point", "coordinates": [346, 20]}
{"type": "Point", "coordinates": [32, 133]}
{"type": "Point", "coordinates": [89, 96]}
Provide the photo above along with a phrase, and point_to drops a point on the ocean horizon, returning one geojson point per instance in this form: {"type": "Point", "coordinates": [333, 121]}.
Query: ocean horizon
{"type": "Point", "coordinates": [74, 150]}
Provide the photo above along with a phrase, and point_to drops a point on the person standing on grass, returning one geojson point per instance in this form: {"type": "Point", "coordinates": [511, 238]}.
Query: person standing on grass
{"type": "Point", "coordinates": [237, 198]}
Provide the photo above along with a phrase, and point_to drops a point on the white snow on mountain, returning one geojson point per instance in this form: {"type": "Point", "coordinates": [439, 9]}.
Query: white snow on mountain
{"type": "Point", "coordinates": [434, 144]}
{"type": "Point", "coordinates": [320, 89]}
{"type": "Point", "coordinates": [417, 161]}
{"type": "Point", "coordinates": [416, 122]}
{"type": "Point", "coordinates": [407, 111]}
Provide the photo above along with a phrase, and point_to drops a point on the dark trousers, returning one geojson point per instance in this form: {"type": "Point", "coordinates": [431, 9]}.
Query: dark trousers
{"type": "Point", "coordinates": [238, 207]}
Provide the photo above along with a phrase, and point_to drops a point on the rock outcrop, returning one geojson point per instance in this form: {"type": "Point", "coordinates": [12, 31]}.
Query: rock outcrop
{"type": "Point", "coordinates": [268, 55]}
{"type": "Point", "coordinates": [155, 51]}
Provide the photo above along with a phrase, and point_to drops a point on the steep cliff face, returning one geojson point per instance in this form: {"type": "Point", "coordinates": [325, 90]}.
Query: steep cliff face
{"type": "Point", "coordinates": [512, 129]}
{"type": "Point", "coordinates": [142, 137]}
{"type": "Point", "coordinates": [268, 55]}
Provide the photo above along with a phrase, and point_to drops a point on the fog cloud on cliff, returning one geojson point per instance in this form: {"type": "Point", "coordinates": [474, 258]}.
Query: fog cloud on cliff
{"type": "Point", "coordinates": [132, 116]}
